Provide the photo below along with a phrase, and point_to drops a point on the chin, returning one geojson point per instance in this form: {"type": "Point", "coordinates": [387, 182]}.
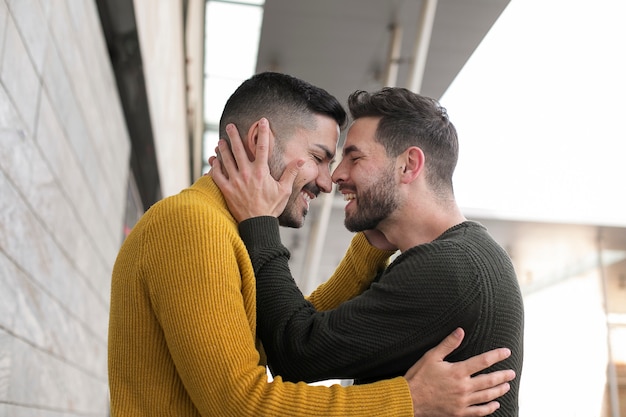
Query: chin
{"type": "Point", "coordinates": [291, 224]}
{"type": "Point", "coordinates": [291, 221]}
{"type": "Point", "coordinates": [293, 217]}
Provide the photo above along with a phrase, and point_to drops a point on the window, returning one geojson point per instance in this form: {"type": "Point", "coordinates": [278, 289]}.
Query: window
{"type": "Point", "coordinates": [232, 33]}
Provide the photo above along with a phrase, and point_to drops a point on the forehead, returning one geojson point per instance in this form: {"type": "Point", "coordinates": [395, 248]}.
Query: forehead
{"type": "Point", "coordinates": [362, 134]}
{"type": "Point", "coordinates": [323, 136]}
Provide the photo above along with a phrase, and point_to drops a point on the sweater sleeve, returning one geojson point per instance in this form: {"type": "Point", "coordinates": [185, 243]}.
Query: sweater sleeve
{"type": "Point", "coordinates": [354, 274]}
{"type": "Point", "coordinates": [361, 264]}
{"type": "Point", "coordinates": [378, 334]}
{"type": "Point", "coordinates": [192, 266]}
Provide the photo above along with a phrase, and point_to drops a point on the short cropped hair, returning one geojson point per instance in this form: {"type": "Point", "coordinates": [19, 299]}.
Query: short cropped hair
{"type": "Point", "coordinates": [287, 102]}
{"type": "Point", "coordinates": [409, 119]}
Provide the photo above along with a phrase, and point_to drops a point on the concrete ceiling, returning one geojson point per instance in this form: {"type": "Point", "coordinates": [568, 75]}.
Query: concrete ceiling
{"type": "Point", "coordinates": [344, 45]}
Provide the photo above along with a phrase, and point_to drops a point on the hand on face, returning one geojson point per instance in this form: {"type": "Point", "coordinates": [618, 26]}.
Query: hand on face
{"type": "Point", "coordinates": [248, 187]}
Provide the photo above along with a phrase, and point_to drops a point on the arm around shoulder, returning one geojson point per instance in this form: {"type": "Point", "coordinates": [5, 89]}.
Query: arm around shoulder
{"type": "Point", "coordinates": [361, 263]}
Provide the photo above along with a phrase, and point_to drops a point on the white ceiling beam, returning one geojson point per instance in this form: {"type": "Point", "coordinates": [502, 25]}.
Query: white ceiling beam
{"type": "Point", "coordinates": [422, 42]}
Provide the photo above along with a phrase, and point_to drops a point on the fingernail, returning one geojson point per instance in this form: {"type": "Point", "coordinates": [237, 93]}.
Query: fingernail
{"type": "Point", "coordinates": [263, 121]}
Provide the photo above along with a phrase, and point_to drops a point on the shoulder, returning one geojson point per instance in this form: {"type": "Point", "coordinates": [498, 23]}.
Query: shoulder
{"type": "Point", "coordinates": [189, 218]}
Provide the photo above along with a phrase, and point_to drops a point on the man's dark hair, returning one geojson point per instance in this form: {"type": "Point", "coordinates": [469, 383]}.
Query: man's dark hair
{"type": "Point", "coordinates": [287, 102]}
{"type": "Point", "coordinates": [409, 119]}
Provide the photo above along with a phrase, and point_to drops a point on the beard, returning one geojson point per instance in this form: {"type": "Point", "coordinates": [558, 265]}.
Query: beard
{"type": "Point", "coordinates": [292, 215]}
{"type": "Point", "coordinates": [374, 204]}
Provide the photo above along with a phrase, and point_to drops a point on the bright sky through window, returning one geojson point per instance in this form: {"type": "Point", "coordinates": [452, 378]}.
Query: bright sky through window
{"type": "Point", "coordinates": [539, 108]}
{"type": "Point", "coordinates": [232, 34]}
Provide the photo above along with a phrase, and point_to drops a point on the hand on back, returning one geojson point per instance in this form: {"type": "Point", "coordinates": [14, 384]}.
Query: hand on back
{"type": "Point", "coordinates": [441, 388]}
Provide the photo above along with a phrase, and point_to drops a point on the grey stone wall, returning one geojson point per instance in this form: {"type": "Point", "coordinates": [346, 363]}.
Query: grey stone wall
{"type": "Point", "coordinates": [64, 157]}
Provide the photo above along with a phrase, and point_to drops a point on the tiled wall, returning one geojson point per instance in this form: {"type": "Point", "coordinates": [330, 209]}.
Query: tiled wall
{"type": "Point", "coordinates": [64, 153]}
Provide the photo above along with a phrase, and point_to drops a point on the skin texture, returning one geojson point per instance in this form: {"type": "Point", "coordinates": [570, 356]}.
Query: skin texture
{"type": "Point", "coordinates": [438, 388]}
{"type": "Point", "coordinates": [364, 162]}
{"type": "Point", "coordinates": [312, 151]}
{"type": "Point", "coordinates": [317, 148]}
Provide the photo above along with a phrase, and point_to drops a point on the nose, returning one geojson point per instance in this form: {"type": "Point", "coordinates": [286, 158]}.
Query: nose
{"type": "Point", "coordinates": [339, 173]}
{"type": "Point", "coordinates": [324, 181]}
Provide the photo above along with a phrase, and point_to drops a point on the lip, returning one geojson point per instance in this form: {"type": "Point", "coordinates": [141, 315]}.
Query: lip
{"type": "Point", "coordinates": [349, 196]}
{"type": "Point", "coordinates": [307, 197]}
{"type": "Point", "coordinates": [308, 193]}
{"type": "Point", "coordinates": [347, 192]}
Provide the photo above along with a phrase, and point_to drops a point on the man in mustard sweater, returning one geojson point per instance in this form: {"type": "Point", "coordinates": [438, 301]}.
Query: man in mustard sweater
{"type": "Point", "coordinates": [182, 331]}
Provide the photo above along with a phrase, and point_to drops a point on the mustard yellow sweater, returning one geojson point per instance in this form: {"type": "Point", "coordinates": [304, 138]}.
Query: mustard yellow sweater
{"type": "Point", "coordinates": [182, 330]}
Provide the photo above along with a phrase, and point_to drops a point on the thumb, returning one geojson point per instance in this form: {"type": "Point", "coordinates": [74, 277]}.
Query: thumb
{"type": "Point", "coordinates": [449, 344]}
{"type": "Point", "coordinates": [290, 173]}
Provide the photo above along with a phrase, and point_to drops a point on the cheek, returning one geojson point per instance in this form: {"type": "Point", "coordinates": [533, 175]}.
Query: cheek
{"type": "Point", "coordinates": [307, 173]}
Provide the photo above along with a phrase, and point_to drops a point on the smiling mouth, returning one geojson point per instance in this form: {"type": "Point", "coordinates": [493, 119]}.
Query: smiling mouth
{"type": "Point", "coordinates": [307, 196]}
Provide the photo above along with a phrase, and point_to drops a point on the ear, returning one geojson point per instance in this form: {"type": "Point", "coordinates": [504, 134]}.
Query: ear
{"type": "Point", "coordinates": [412, 163]}
{"type": "Point", "coordinates": [251, 139]}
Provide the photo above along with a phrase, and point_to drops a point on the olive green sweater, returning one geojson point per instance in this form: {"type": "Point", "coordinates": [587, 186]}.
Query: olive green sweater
{"type": "Point", "coordinates": [461, 279]}
{"type": "Point", "coordinates": [182, 330]}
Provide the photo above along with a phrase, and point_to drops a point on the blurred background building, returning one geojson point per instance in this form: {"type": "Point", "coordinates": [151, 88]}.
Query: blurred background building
{"type": "Point", "coordinates": [107, 106]}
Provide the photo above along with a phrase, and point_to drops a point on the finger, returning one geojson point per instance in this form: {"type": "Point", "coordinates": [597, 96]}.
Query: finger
{"type": "Point", "coordinates": [289, 175]}
{"type": "Point", "coordinates": [262, 143]}
{"type": "Point", "coordinates": [236, 145]}
{"type": "Point", "coordinates": [226, 156]}
{"type": "Point", "coordinates": [211, 159]}
{"type": "Point", "coordinates": [487, 381]}
{"type": "Point", "coordinates": [485, 360]}
{"type": "Point", "coordinates": [218, 174]}
{"type": "Point", "coordinates": [490, 394]}
{"type": "Point", "coordinates": [449, 344]}
{"type": "Point", "coordinates": [483, 409]}
{"type": "Point", "coordinates": [483, 381]}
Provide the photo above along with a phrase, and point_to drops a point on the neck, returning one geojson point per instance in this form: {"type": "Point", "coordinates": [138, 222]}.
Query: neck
{"type": "Point", "coordinates": [411, 226]}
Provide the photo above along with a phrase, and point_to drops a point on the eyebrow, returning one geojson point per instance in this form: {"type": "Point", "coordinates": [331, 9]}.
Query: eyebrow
{"type": "Point", "coordinates": [350, 149]}
{"type": "Point", "coordinates": [329, 154]}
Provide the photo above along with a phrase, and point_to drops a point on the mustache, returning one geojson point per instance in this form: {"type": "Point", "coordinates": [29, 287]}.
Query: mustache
{"type": "Point", "coordinates": [342, 187]}
{"type": "Point", "coordinates": [312, 188]}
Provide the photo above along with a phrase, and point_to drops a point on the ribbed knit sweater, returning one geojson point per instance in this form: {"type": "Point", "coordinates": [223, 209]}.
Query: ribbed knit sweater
{"type": "Point", "coordinates": [182, 330]}
{"type": "Point", "coordinates": [463, 278]}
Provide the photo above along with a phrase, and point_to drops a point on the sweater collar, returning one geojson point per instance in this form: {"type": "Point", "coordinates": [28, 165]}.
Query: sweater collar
{"type": "Point", "coordinates": [207, 186]}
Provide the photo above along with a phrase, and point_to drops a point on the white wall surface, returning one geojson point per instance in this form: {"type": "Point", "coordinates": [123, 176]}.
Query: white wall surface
{"type": "Point", "coordinates": [565, 350]}
{"type": "Point", "coordinates": [64, 161]}
{"type": "Point", "coordinates": [160, 30]}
